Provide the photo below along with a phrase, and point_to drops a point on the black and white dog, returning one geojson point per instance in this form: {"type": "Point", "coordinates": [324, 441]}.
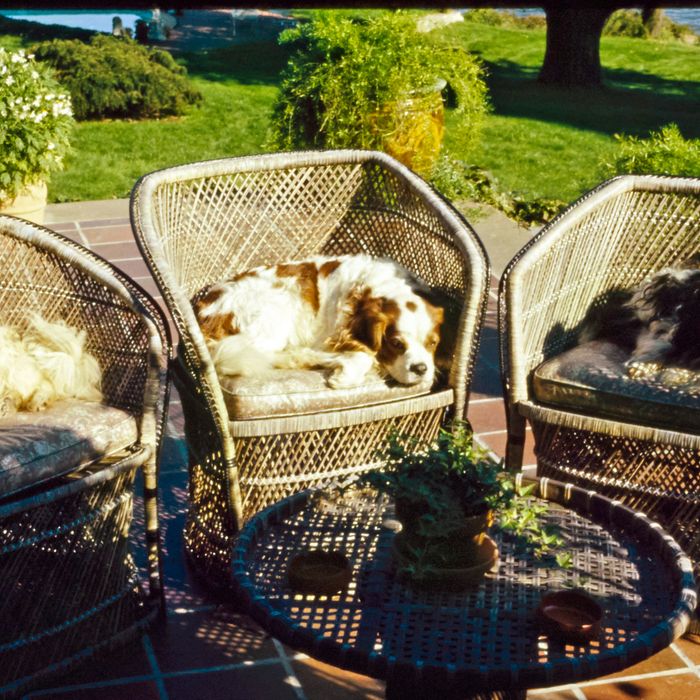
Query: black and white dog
{"type": "Point", "coordinates": [657, 321]}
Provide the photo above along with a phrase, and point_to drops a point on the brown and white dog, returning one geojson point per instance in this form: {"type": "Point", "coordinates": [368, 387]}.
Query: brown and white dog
{"type": "Point", "coordinates": [349, 314]}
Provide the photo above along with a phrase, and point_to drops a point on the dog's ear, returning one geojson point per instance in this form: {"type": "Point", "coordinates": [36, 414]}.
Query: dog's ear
{"type": "Point", "coordinates": [437, 313]}
{"type": "Point", "coordinates": [369, 317]}
{"type": "Point", "coordinates": [368, 321]}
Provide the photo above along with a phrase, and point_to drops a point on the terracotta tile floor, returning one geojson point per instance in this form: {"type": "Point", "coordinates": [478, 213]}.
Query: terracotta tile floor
{"type": "Point", "coordinates": [207, 650]}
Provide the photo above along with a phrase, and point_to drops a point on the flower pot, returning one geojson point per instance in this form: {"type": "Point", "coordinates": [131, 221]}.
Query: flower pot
{"type": "Point", "coordinates": [411, 129]}
{"type": "Point", "coordinates": [30, 203]}
{"type": "Point", "coordinates": [408, 514]}
{"type": "Point", "coordinates": [479, 557]}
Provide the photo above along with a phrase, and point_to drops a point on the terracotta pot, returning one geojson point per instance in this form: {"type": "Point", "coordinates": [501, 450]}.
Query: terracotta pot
{"type": "Point", "coordinates": [408, 515]}
{"type": "Point", "coordinates": [479, 558]}
{"type": "Point", "coordinates": [30, 203]}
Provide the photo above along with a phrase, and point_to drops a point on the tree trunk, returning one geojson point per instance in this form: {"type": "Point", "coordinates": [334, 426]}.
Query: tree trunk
{"type": "Point", "coordinates": [653, 19]}
{"type": "Point", "coordinates": [572, 56]}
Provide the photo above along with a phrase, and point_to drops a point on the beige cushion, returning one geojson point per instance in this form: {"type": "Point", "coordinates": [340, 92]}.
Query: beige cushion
{"type": "Point", "coordinates": [37, 446]}
{"type": "Point", "coordinates": [592, 379]}
{"type": "Point", "coordinates": [299, 391]}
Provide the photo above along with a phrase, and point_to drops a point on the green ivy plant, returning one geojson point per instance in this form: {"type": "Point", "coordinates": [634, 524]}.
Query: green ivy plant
{"type": "Point", "coordinates": [35, 122]}
{"type": "Point", "coordinates": [449, 480]}
{"type": "Point", "coordinates": [345, 69]}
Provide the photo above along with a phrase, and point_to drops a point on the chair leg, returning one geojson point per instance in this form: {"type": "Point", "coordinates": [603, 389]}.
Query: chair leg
{"type": "Point", "coordinates": [516, 440]}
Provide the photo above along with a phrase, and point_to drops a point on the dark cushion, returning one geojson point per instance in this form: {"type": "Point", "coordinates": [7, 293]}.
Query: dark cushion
{"type": "Point", "coordinates": [37, 446]}
{"type": "Point", "coordinates": [299, 391]}
{"type": "Point", "coordinates": [593, 379]}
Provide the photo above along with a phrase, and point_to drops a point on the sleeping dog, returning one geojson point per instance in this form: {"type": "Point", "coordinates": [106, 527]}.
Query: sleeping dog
{"type": "Point", "coordinates": [657, 322]}
{"type": "Point", "coordinates": [349, 314]}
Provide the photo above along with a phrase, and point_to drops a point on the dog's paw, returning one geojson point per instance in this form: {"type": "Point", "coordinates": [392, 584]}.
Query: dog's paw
{"type": "Point", "coordinates": [343, 380]}
{"type": "Point", "coordinates": [350, 370]}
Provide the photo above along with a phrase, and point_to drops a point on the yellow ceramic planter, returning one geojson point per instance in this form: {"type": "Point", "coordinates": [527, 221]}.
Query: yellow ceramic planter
{"type": "Point", "coordinates": [30, 203]}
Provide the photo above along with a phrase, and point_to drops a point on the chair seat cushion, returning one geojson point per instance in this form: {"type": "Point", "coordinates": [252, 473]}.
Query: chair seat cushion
{"type": "Point", "coordinates": [299, 391]}
{"type": "Point", "coordinates": [592, 378]}
{"type": "Point", "coordinates": [38, 446]}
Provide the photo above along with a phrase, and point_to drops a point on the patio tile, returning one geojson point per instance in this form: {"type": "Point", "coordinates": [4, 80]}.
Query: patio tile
{"type": "Point", "coordinates": [665, 660]}
{"type": "Point", "coordinates": [321, 681]}
{"type": "Point", "coordinates": [684, 686]}
{"type": "Point", "coordinates": [122, 663]}
{"type": "Point", "coordinates": [118, 252]}
{"type": "Point", "coordinates": [73, 235]}
{"type": "Point", "coordinates": [690, 646]}
{"type": "Point", "coordinates": [254, 683]}
{"type": "Point", "coordinates": [487, 416]}
{"type": "Point", "coordinates": [118, 691]}
{"type": "Point", "coordinates": [211, 638]}
{"type": "Point", "coordinates": [109, 234]}
{"type": "Point", "coordinates": [64, 228]}
{"type": "Point", "coordinates": [120, 221]}
{"type": "Point", "coordinates": [135, 267]}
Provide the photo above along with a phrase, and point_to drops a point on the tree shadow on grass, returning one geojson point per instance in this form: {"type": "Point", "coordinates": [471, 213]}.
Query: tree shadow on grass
{"type": "Point", "coordinates": [258, 63]}
{"type": "Point", "coordinates": [630, 101]}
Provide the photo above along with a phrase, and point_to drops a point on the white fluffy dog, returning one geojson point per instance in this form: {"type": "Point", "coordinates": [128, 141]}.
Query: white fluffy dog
{"type": "Point", "coordinates": [349, 314]}
{"type": "Point", "coordinates": [47, 363]}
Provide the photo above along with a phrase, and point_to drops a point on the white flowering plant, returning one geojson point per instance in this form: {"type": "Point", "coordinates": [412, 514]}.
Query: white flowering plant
{"type": "Point", "coordinates": [36, 119]}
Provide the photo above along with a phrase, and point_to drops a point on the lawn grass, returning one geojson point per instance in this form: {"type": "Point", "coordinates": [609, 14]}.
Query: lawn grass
{"type": "Point", "coordinates": [542, 141]}
{"type": "Point", "coordinates": [239, 87]}
{"type": "Point", "coordinates": [539, 141]}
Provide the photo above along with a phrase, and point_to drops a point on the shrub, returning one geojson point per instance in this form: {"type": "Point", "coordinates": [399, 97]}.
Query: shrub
{"type": "Point", "coordinates": [116, 77]}
{"type": "Point", "coordinates": [345, 71]}
{"type": "Point", "coordinates": [35, 122]}
{"type": "Point", "coordinates": [502, 18]}
{"type": "Point", "coordinates": [625, 23]}
{"type": "Point", "coordinates": [664, 152]}
{"type": "Point", "coordinates": [630, 23]}
{"type": "Point", "coordinates": [457, 180]}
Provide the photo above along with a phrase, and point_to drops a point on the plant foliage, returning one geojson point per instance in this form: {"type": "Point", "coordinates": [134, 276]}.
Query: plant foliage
{"type": "Point", "coordinates": [35, 122]}
{"type": "Point", "coordinates": [664, 152]}
{"type": "Point", "coordinates": [458, 180]}
{"type": "Point", "coordinates": [116, 77]}
{"type": "Point", "coordinates": [445, 482]}
{"type": "Point", "coordinates": [346, 69]}
{"type": "Point", "coordinates": [629, 23]}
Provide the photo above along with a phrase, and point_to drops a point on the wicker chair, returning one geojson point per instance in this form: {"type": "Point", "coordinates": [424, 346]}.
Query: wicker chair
{"type": "Point", "coordinates": [204, 222]}
{"type": "Point", "coordinates": [69, 586]}
{"type": "Point", "coordinates": [613, 237]}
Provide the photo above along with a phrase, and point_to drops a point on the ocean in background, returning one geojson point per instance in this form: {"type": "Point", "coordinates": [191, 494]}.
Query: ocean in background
{"type": "Point", "coordinates": [95, 20]}
{"type": "Point", "coordinates": [681, 15]}
{"type": "Point", "coordinates": [101, 20]}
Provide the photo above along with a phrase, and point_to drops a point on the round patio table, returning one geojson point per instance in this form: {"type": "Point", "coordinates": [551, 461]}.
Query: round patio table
{"type": "Point", "coordinates": [482, 642]}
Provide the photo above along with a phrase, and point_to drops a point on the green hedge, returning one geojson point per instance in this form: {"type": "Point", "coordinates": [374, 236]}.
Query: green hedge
{"type": "Point", "coordinates": [116, 77]}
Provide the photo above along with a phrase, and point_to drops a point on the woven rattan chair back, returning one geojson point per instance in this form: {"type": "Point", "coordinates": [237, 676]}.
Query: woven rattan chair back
{"type": "Point", "coordinates": [65, 556]}
{"type": "Point", "coordinates": [615, 236]}
{"type": "Point", "coordinates": [201, 223]}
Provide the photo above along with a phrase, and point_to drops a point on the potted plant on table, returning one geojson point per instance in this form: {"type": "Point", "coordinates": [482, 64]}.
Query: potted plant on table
{"type": "Point", "coordinates": [446, 495]}
{"type": "Point", "coordinates": [35, 124]}
{"type": "Point", "coordinates": [372, 80]}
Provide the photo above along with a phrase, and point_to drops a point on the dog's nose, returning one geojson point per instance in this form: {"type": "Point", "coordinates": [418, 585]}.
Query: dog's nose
{"type": "Point", "coordinates": [420, 368]}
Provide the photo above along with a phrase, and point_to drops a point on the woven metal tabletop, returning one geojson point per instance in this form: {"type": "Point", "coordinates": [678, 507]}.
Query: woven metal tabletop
{"type": "Point", "coordinates": [488, 636]}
